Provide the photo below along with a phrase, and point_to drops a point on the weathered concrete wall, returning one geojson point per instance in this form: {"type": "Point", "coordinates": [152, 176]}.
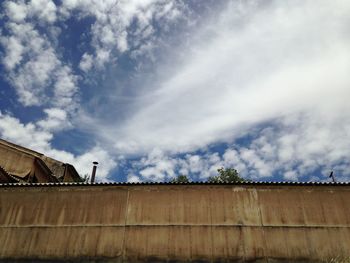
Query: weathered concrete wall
{"type": "Point", "coordinates": [133, 223]}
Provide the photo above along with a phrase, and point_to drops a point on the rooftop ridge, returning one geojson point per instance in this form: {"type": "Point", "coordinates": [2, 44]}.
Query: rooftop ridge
{"type": "Point", "coordinates": [29, 151]}
{"type": "Point", "coordinates": [20, 148]}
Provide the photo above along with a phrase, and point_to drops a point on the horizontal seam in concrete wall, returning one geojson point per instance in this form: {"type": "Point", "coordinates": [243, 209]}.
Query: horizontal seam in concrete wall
{"type": "Point", "coordinates": [177, 225]}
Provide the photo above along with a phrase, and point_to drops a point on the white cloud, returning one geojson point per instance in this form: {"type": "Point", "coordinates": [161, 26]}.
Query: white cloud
{"type": "Point", "coordinates": [86, 62]}
{"type": "Point", "coordinates": [285, 64]}
{"type": "Point", "coordinates": [157, 166]}
{"type": "Point", "coordinates": [314, 146]}
{"type": "Point", "coordinates": [290, 176]}
{"type": "Point", "coordinates": [33, 66]}
{"type": "Point", "coordinates": [45, 10]}
{"type": "Point", "coordinates": [32, 79]}
{"type": "Point", "coordinates": [56, 119]}
{"type": "Point", "coordinates": [14, 52]}
{"type": "Point", "coordinates": [41, 79]}
{"type": "Point", "coordinates": [115, 19]}
{"type": "Point", "coordinates": [296, 147]}
{"type": "Point", "coordinates": [133, 178]}
{"type": "Point", "coordinates": [281, 59]}
{"type": "Point", "coordinates": [23, 134]}
{"type": "Point", "coordinates": [18, 11]}
{"type": "Point", "coordinates": [65, 88]}
{"type": "Point", "coordinates": [83, 163]}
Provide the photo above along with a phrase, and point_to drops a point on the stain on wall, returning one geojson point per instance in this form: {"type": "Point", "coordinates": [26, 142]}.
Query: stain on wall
{"type": "Point", "coordinates": [209, 223]}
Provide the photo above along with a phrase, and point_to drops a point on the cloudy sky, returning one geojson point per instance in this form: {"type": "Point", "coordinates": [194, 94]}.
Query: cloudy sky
{"type": "Point", "coordinates": [155, 88]}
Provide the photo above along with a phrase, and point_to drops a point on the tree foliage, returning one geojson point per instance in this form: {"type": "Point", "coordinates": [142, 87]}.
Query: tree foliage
{"type": "Point", "coordinates": [228, 175]}
{"type": "Point", "coordinates": [180, 179]}
{"type": "Point", "coordinates": [85, 178]}
{"type": "Point", "coordinates": [225, 175]}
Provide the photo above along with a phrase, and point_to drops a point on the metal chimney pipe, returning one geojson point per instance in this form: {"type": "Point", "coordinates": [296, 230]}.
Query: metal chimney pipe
{"type": "Point", "coordinates": [94, 172]}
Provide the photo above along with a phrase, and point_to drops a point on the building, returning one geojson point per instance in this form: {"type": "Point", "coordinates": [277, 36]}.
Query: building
{"type": "Point", "coordinates": [169, 222]}
{"type": "Point", "coordinates": [22, 165]}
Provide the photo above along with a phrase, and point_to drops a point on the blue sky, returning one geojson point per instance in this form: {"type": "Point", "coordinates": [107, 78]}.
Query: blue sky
{"type": "Point", "coordinates": [155, 88]}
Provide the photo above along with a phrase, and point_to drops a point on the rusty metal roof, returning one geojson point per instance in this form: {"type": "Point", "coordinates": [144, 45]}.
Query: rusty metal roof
{"type": "Point", "coordinates": [21, 162]}
{"type": "Point", "coordinates": [3, 170]}
{"type": "Point", "coordinates": [6, 177]}
{"type": "Point", "coordinates": [175, 183]}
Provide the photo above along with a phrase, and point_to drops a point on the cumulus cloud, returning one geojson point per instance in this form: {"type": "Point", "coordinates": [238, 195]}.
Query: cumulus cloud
{"type": "Point", "coordinates": [120, 26]}
{"type": "Point", "coordinates": [65, 88]}
{"type": "Point", "coordinates": [86, 62]}
{"type": "Point", "coordinates": [23, 134]}
{"type": "Point", "coordinates": [160, 166]}
{"type": "Point", "coordinates": [18, 11]}
{"type": "Point", "coordinates": [157, 167]}
{"type": "Point", "coordinates": [299, 147]}
{"type": "Point", "coordinates": [55, 118]}
{"type": "Point", "coordinates": [14, 52]}
{"type": "Point", "coordinates": [34, 67]}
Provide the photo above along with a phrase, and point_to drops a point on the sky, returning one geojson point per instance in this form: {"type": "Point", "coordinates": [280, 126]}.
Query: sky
{"type": "Point", "coordinates": [152, 89]}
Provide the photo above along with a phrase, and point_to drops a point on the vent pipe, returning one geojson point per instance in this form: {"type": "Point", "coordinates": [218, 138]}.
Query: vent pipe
{"type": "Point", "coordinates": [94, 172]}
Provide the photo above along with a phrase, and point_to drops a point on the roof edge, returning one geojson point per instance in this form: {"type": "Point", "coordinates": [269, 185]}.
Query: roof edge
{"type": "Point", "coordinates": [20, 148]}
{"type": "Point", "coordinates": [170, 183]}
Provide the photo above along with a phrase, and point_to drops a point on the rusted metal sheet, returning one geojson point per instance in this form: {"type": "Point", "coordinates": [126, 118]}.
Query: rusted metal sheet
{"type": "Point", "coordinates": [274, 210]}
{"type": "Point", "coordinates": [61, 243]}
{"type": "Point", "coordinates": [57, 207]}
{"type": "Point", "coordinates": [228, 243]}
{"type": "Point", "coordinates": [211, 223]}
{"type": "Point", "coordinates": [26, 165]}
{"type": "Point", "coordinates": [245, 206]}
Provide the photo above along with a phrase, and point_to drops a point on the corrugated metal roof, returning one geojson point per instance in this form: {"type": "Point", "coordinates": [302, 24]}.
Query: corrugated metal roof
{"type": "Point", "coordinates": [3, 170]}
{"type": "Point", "coordinates": [174, 183]}
{"type": "Point", "coordinates": [5, 176]}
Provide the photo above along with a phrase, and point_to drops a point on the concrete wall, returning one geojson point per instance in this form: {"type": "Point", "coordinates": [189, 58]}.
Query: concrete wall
{"type": "Point", "coordinates": [133, 223]}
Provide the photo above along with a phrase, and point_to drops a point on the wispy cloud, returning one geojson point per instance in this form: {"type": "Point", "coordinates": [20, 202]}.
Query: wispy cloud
{"type": "Point", "coordinates": [281, 59]}
{"type": "Point", "coordinates": [250, 65]}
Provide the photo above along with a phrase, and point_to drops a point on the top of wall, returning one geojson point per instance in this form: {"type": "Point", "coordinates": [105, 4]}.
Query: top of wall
{"type": "Point", "coordinates": [248, 183]}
